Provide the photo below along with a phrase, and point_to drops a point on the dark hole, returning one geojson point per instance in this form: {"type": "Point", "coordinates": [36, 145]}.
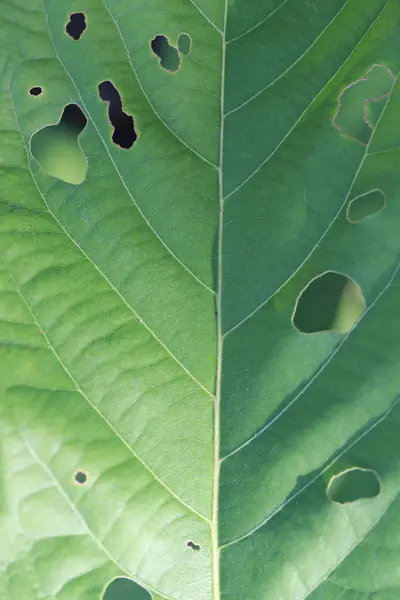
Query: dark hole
{"type": "Point", "coordinates": [353, 484]}
{"type": "Point", "coordinates": [124, 134]}
{"type": "Point", "coordinates": [365, 206]}
{"type": "Point", "coordinates": [76, 25]}
{"type": "Point", "coordinates": [168, 55]}
{"type": "Point", "coordinates": [123, 588]}
{"type": "Point", "coordinates": [73, 119]}
{"type": "Point", "coordinates": [193, 546]}
{"type": "Point", "coordinates": [35, 91]}
{"type": "Point", "coordinates": [80, 477]}
{"type": "Point", "coordinates": [330, 302]}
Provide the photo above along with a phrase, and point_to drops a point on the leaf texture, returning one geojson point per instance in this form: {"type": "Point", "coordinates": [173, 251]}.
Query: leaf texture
{"type": "Point", "coordinates": [146, 333]}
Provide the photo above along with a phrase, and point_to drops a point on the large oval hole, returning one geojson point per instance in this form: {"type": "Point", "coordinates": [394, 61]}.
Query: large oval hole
{"type": "Point", "coordinates": [56, 147]}
{"type": "Point", "coordinates": [330, 302]}
{"type": "Point", "coordinates": [353, 484]}
{"type": "Point", "coordinates": [365, 205]}
{"type": "Point", "coordinates": [123, 588]}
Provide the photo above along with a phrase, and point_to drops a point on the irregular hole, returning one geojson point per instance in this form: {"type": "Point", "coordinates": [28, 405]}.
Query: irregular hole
{"type": "Point", "coordinates": [366, 205]}
{"type": "Point", "coordinates": [80, 477]}
{"type": "Point", "coordinates": [353, 484]}
{"type": "Point", "coordinates": [361, 103]}
{"type": "Point", "coordinates": [56, 147]}
{"type": "Point", "coordinates": [330, 302]}
{"type": "Point", "coordinates": [123, 588]}
{"type": "Point", "coordinates": [35, 90]}
{"type": "Point", "coordinates": [76, 25]}
{"type": "Point", "coordinates": [124, 134]}
{"type": "Point", "coordinates": [168, 55]}
{"type": "Point", "coordinates": [184, 43]}
{"type": "Point", "coordinates": [193, 546]}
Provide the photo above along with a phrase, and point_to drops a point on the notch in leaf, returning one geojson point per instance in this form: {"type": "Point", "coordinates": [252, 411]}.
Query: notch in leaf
{"type": "Point", "coordinates": [76, 25]}
{"type": "Point", "coordinates": [123, 588]}
{"type": "Point", "coordinates": [124, 134]}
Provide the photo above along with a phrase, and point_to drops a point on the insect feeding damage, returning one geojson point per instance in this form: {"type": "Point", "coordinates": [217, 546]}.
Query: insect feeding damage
{"type": "Point", "coordinates": [360, 104]}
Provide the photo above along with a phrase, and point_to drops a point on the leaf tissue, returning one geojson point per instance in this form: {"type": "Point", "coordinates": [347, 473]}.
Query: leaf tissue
{"type": "Point", "coordinates": [199, 300]}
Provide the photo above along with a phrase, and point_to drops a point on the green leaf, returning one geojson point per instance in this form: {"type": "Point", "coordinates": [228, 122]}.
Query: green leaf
{"type": "Point", "coordinates": [163, 419]}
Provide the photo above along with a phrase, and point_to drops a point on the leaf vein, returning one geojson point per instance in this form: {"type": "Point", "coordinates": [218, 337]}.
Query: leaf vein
{"type": "Point", "coordinates": [268, 158]}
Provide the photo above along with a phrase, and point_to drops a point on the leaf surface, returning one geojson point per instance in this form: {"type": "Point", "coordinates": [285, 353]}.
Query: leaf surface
{"type": "Point", "coordinates": [161, 417]}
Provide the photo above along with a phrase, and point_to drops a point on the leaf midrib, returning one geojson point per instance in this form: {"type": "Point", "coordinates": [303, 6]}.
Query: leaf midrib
{"type": "Point", "coordinates": [216, 592]}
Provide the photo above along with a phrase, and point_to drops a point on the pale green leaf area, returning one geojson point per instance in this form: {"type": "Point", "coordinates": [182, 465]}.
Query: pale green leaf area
{"type": "Point", "coordinates": [200, 331]}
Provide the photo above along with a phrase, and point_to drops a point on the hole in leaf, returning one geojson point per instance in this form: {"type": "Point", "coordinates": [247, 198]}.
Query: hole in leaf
{"type": "Point", "coordinates": [56, 147]}
{"type": "Point", "coordinates": [124, 134]}
{"type": "Point", "coordinates": [361, 103]}
{"type": "Point", "coordinates": [123, 588]}
{"type": "Point", "coordinates": [184, 43]}
{"type": "Point", "coordinates": [353, 484]}
{"type": "Point", "coordinates": [193, 546]}
{"type": "Point", "coordinates": [35, 91]}
{"type": "Point", "coordinates": [76, 25]}
{"type": "Point", "coordinates": [373, 110]}
{"type": "Point", "coordinates": [365, 205]}
{"type": "Point", "coordinates": [168, 55]}
{"type": "Point", "coordinates": [80, 477]}
{"type": "Point", "coordinates": [330, 302]}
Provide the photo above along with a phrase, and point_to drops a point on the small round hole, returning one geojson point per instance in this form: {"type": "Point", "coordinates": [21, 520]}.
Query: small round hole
{"type": "Point", "coordinates": [35, 91]}
{"type": "Point", "coordinates": [80, 477]}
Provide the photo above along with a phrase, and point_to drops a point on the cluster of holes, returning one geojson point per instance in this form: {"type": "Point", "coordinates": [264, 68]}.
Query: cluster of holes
{"type": "Point", "coordinates": [317, 306]}
{"type": "Point", "coordinates": [359, 108]}
{"type": "Point", "coordinates": [48, 151]}
{"type": "Point", "coordinates": [56, 147]}
{"type": "Point", "coordinates": [170, 56]}
{"type": "Point", "coordinates": [332, 301]}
